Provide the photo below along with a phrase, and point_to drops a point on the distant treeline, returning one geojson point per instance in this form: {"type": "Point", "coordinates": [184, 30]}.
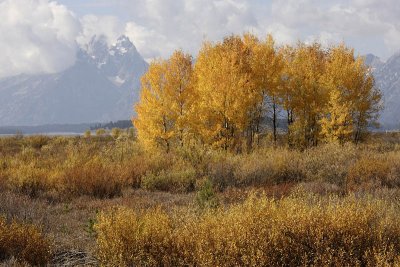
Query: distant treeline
{"type": "Point", "coordinates": [123, 124]}
{"type": "Point", "coordinates": [50, 128]}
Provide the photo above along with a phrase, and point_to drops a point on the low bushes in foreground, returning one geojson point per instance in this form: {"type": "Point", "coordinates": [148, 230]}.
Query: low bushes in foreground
{"type": "Point", "coordinates": [24, 243]}
{"type": "Point", "coordinates": [301, 230]}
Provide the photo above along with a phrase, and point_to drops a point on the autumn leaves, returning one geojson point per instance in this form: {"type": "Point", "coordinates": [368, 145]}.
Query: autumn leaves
{"type": "Point", "coordinates": [226, 96]}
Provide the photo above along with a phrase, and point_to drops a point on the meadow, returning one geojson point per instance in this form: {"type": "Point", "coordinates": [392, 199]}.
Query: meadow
{"type": "Point", "coordinates": [104, 200]}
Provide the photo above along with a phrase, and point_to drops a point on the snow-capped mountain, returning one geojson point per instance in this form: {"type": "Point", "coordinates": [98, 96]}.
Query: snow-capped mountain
{"type": "Point", "coordinates": [101, 86]}
{"type": "Point", "coordinates": [387, 78]}
{"type": "Point", "coordinates": [104, 84]}
{"type": "Point", "coordinates": [373, 61]}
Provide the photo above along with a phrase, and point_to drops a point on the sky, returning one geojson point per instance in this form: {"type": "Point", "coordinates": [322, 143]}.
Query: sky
{"type": "Point", "coordinates": [42, 36]}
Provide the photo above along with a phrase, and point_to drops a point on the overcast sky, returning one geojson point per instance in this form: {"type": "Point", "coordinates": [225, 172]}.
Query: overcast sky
{"type": "Point", "coordinates": [39, 36]}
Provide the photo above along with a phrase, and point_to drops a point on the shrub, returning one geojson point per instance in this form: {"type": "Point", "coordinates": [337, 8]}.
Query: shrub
{"type": "Point", "coordinates": [178, 179]}
{"type": "Point", "coordinates": [87, 134]}
{"type": "Point", "coordinates": [94, 178]}
{"type": "Point", "coordinates": [37, 141]}
{"type": "Point", "coordinates": [269, 167]}
{"type": "Point", "coordinates": [206, 196]}
{"type": "Point", "coordinates": [131, 171]}
{"type": "Point", "coordinates": [30, 179]}
{"type": "Point", "coordinates": [126, 238]}
{"type": "Point", "coordinates": [101, 132]}
{"type": "Point", "coordinates": [300, 230]}
{"type": "Point", "coordinates": [3, 173]}
{"type": "Point", "coordinates": [116, 132]}
{"type": "Point", "coordinates": [368, 173]}
{"type": "Point", "coordinates": [329, 163]}
{"type": "Point", "coordinates": [221, 170]}
{"type": "Point", "coordinates": [23, 242]}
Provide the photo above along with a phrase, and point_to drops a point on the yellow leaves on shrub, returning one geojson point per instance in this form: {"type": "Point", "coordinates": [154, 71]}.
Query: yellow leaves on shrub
{"type": "Point", "coordinates": [30, 179]}
{"type": "Point", "coordinates": [371, 172]}
{"type": "Point", "coordinates": [23, 242]}
{"type": "Point", "coordinates": [296, 231]}
{"type": "Point", "coordinates": [94, 178]}
{"type": "Point", "coordinates": [126, 238]}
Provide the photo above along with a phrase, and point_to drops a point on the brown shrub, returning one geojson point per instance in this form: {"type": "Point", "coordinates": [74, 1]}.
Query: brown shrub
{"type": "Point", "coordinates": [94, 178]}
{"type": "Point", "coordinates": [270, 167]}
{"type": "Point", "coordinates": [180, 177]}
{"type": "Point", "coordinates": [23, 242]}
{"type": "Point", "coordinates": [132, 172]}
{"type": "Point", "coordinates": [30, 179]}
{"type": "Point", "coordinates": [329, 163]}
{"type": "Point", "coordinates": [221, 170]}
{"type": "Point", "coordinates": [37, 141]}
{"type": "Point", "coordinates": [368, 173]}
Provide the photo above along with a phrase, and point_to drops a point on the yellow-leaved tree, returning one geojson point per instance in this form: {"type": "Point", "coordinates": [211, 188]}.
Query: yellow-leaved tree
{"type": "Point", "coordinates": [355, 102]}
{"type": "Point", "coordinates": [308, 98]}
{"type": "Point", "coordinates": [337, 125]}
{"type": "Point", "coordinates": [180, 94]}
{"type": "Point", "coordinates": [226, 99]}
{"type": "Point", "coordinates": [267, 67]}
{"type": "Point", "coordinates": [366, 100]}
{"type": "Point", "coordinates": [339, 80]}
{"type": "Point", "coordinates": [226, 92]}
{"type": "Point", "coordinates": [165, 102]}
{"type": "Point", "coordinates": [286, 88]}
{"type": "Point", "coordinates": [153, 123]}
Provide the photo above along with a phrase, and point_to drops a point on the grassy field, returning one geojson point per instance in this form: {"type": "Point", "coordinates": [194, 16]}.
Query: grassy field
{"type": "Point", "coordinates": [105, 201]}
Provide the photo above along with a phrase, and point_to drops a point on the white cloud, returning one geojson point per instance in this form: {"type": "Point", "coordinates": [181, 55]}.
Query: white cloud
{"type": "Point", "coordinates": [148, 42]}
{"type": "Point", "coordinates": [368, 25]}
{"type": "Point", "coordinates": [37, 36]}
{"type": "Point", "coordinates": [282, 34]}
{"type": "Point", "coordinates": [158, 27]}
{"type": "Point", "coordinates": [109, 26]}
{"type": "Point", "coordinates": [40, 35]}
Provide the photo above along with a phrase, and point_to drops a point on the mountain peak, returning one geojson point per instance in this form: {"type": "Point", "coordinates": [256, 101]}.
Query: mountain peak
{"type": "Point", "coordinates": [101, 86]}
{"type": "Point", "coordinates": [123, 45]}
{"type": "Point", "coordinates": [124, 41]}
{"type": "Point", "coordinates": [373, 61]}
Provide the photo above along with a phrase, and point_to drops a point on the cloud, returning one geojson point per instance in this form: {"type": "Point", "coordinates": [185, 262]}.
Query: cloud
{"type": "Point", "coordinates": [109, 26]}
{"type": "Point", "coordinates": [368, 25]}
{"type": "Point", "coordinates": [37, 36]}
{"type": "Point", "coordinates": [41, 36]}
{"type": "Point", "coordinates": [158, 27]}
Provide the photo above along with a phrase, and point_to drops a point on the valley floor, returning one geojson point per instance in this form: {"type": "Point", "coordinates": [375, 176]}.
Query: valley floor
{"type": "Point", "coordinates": [70, 201]}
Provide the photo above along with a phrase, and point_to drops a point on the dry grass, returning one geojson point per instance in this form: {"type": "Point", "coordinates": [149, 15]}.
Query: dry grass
{"type": "Point", "coordinates": [62, 185]}
{"type": "Point", "coordinates": [102, 167]}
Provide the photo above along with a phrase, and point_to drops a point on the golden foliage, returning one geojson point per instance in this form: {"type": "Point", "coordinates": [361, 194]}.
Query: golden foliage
{"type": "Point", "coordinates": [93, 178]}
{"type": "Point", "coordinates": [371, 172]}
{"type": "Point", "coordinates": [104, 167]}
{"type": "Point", "coordinates": [226, 92]}
{"type": "Point", "coordinates": [166, 99]}
{"type": "Point", "coordinates": [126, 238]}
{"type": "Point", "coordinates": [23, 242]}
{"type": "Point", "coordinates": [295, 231]}
{"type": "Point", "coordinates": [240, 83]}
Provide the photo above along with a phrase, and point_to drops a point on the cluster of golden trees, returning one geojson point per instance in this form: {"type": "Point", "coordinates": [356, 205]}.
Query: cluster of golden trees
{"type": "Point", "coordinates": [225, 97]}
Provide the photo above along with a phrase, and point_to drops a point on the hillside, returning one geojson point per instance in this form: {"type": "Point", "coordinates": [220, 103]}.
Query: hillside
{"type": "Point", "coordinates": [388, 80]}
{"type": "Point", "coordinates": [100, 86]}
